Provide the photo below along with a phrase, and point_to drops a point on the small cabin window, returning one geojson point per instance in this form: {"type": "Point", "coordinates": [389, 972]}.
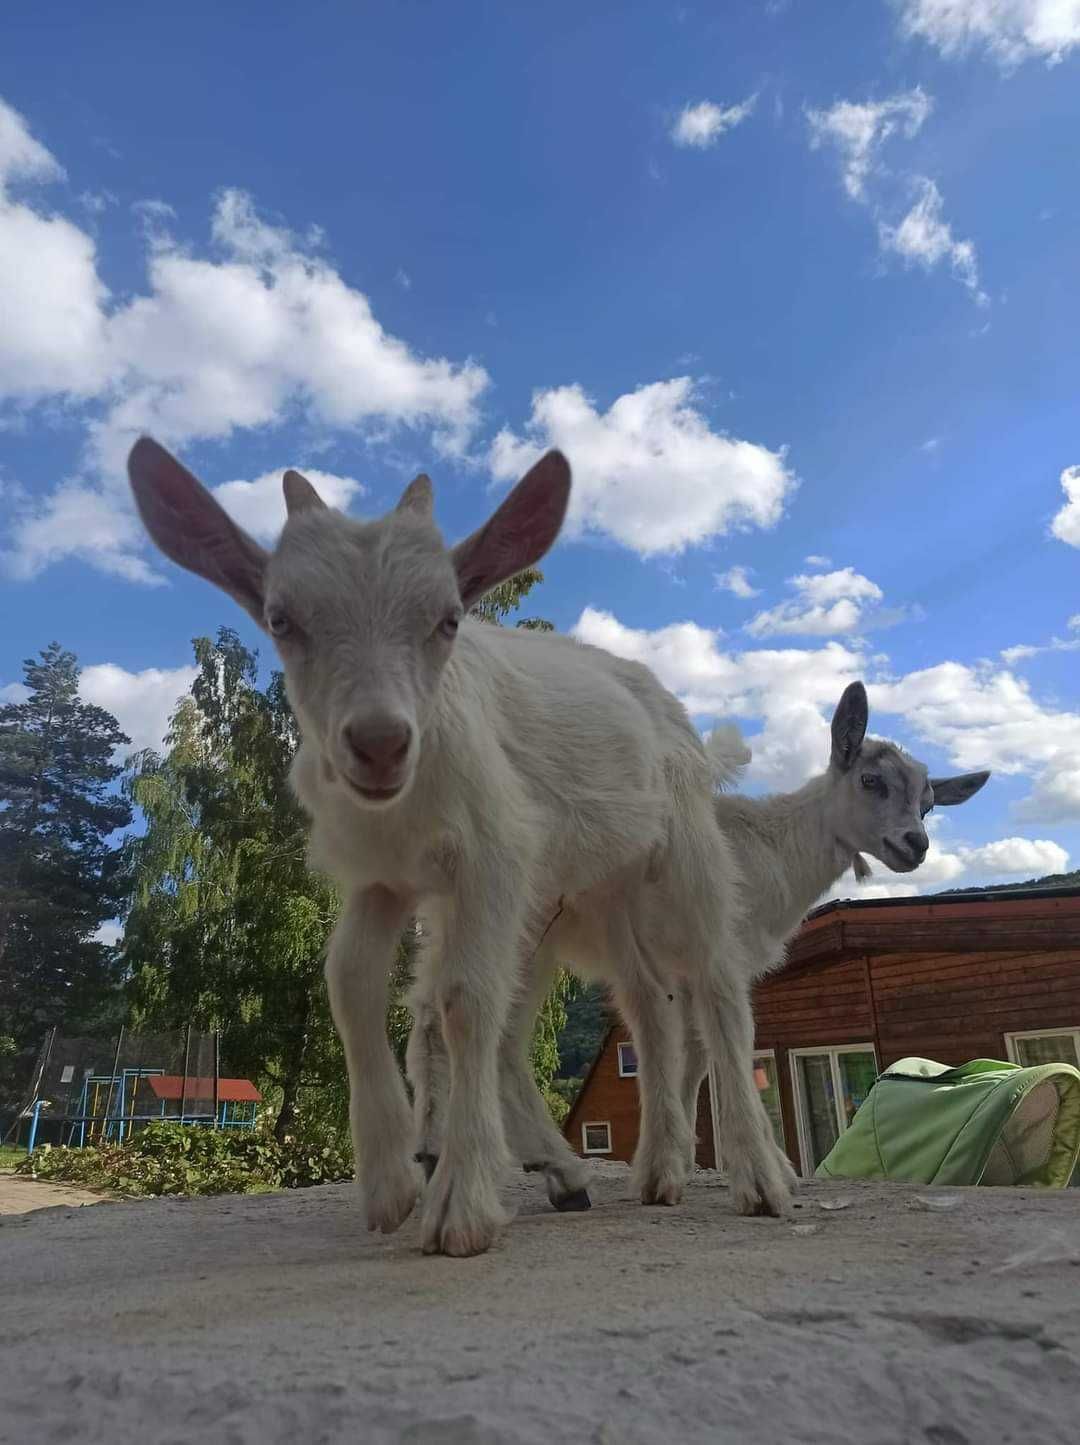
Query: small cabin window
{"type": "Point", "coordinates": [596, 1138]}
{"type": "Point", "coordinates": [1049, 1046]}
{"type": "Point", "coordinates": [627, 1061]}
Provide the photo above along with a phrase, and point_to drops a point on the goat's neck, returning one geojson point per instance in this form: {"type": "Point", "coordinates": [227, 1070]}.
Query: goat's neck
{"type": "Point", "coordinates": [812, 853]}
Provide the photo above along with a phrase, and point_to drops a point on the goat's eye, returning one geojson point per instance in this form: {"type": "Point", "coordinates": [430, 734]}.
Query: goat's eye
{"type": "Point", "coordinates": [278, 622]}
{"type": "Point", "coordinates": [875, 783]}
{"type": "Point", "coordinates": [448, 627]}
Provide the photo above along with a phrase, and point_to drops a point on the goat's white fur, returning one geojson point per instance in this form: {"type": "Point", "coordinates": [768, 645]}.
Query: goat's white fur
{"type": "Point", "coordinates": [542, 780]}
{"type": "Point", "coordinates": [791, 847]}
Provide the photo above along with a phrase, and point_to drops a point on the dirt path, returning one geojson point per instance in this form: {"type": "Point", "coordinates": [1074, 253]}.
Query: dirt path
{"type": "Point", "coordinates": [19, 1195]}
{"type": "Point", "coordinates": [278, 1319]}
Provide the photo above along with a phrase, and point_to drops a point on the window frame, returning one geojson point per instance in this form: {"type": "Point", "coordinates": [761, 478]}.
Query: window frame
{"type": "Point", "coordinates": [1012, 1039]}
{"type": "Point", "coordinates": [626, 1073]}
{"type": "Point", "coordinates": [596, 1124]}
{"type": "Point", "coordinates": [833, 1051]}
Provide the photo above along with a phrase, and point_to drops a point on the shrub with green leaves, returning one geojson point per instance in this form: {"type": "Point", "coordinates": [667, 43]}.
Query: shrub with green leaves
{"type": "Point", "coordinates": [184, 1159]}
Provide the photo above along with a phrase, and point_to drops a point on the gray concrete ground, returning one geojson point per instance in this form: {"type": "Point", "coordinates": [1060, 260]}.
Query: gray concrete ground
{"type": "Point", "coordinates": [277, 1318]}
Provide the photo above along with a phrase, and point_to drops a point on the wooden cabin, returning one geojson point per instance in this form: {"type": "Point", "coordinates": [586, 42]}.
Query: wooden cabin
{"type": "Point", "coordinates": [951, 977]}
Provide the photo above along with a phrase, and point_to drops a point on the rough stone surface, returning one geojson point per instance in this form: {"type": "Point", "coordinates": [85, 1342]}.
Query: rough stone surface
{"type": "Point", "coordinates": [277, 1318]}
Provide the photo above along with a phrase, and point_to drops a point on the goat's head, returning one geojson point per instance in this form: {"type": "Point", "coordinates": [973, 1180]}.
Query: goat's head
{"type": "Point", "coordinates": [363, 615]}
{"type": "Point", "coordinates": [880, 795]}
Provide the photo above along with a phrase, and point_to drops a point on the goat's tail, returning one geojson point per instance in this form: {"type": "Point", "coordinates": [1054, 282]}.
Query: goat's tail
{"type": "Point", "coordinates": [728, 755]}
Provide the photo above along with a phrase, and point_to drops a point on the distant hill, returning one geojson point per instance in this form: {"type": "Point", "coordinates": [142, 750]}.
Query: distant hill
{"type": "Point", "coordinates": [1051, 881]}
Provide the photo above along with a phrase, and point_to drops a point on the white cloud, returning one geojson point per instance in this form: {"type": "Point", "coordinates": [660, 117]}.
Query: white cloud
{"type": "Point", "coordinates": [736, 580]}
{"type": "Point", "coordinates": [259, 505]}
{"type": "Point", "coordinates": [964, 866]}
{"type": "Point", "coordinates": [649, 472]}
{"type": "Point", "coordinates": [978, 717]}
{"type": "Point", "coordinates": [109, 933]}
{"type": "Point", "coordinates": [827, 604]}
{"type": "Point", "coordinates": [22, 158]}
{"type": "Point", "coordinates": [1066, 524]}
{"type": "Point", "coordinates": [1024, 650]}
{"type": "Point", "coordinates": [859, 130]}
{"type": "Point", "coordinates": [815, 560]}
{"type": "Point", "coordinates": [703, 124]}
{"type": "Point", "coordinates": [923, 238]}
{"type": "Point", "coordinates": [14, 692]}
{"type": "Point", "coordinates": [984, 717]}
{"type": "Point", "coordinates": [403, 279]}
{"type": "Point", "coordinates": [81, 521]}
{"type": "Point", "coordinates": [141, 702]}
{"type": "Point", "coordinates": [1013, 857]}
{"type": "Point", "coordinates": [52, 340]}
{"type": "Point", "coordinates": [1009, 30]}
{"type": "Point", "coordinates": [263, 329]}
{"type": "Point", "coordinates": [791, 689]}
{"type": "Point", "coordinates": [920, 235]}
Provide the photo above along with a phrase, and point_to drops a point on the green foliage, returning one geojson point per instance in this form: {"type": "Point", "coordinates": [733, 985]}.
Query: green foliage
{"type": "Point", "coordinates": [185, 1159]}
{"type": "Point", "coordinates": [227, 927]}
{"type": "Point", "coordinates": [565, 1091]}
{"type": "Point", "coordinates": [59, 876]}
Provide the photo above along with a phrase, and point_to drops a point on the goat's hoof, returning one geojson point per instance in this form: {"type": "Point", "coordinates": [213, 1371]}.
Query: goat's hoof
{"type": "Point", "coordinates": [574, 1203]}
{"type": "Point", "coordinates": [457, 1219]}
{"type": "Point", "coordinates": [427, 1162]}
{"type": "Point", "coordinates": [389, 1199]}
{"type": "Point", "coordinates": [763, 1192]}
{"type": "Point", "coordinates": [666, 1197]}
{"type": "Point", "coordinates": [663, 1185]}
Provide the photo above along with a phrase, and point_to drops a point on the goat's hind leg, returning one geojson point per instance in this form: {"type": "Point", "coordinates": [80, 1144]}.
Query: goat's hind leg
{"type": "Point", "coordinates": [760, 1176]}
{"type": "Point", "coordinates": [428, 1067]}
{"type": "Point", "coordinates": [695, 1071]}
{"type": "Point", "coordinates": [662, 1162]}
{"type": "Point", "coordinates": [531, 1131]}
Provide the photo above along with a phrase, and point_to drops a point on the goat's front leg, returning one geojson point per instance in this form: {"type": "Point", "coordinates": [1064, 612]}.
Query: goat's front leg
{"type": "Point", "coordinates": [471, 987]}
{"type": "Point", "coordinates": [357, 967]}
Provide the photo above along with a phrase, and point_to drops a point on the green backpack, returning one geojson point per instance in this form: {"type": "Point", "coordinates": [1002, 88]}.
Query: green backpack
{"type": "Point", "coordinates": [986, 1122]}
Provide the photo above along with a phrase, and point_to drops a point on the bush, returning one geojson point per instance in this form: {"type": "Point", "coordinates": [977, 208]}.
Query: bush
{"type": "Point", "coordinates": [185, 1159]}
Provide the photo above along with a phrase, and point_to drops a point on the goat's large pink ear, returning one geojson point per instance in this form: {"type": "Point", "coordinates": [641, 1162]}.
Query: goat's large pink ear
{"type": "Point", "coordinates": [194, 530]}
{"type": "Point", "coordinates": [519, 533]}
{"type": "Point", "coordinates": [417, 497]}
{"type": "Point", "coordinates": [849, 725]}
{"type": "Point", "coordinates": [948, 792]}
{"type": "Point", "coordinates": [300, 495]}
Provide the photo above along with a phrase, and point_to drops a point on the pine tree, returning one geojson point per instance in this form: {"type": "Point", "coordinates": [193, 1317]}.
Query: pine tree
{"type": "Point", "coordinates": [59, 875]}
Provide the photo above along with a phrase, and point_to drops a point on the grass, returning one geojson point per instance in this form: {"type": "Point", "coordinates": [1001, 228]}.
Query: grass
{"type": "Point", "coordinates": [10, 1156]}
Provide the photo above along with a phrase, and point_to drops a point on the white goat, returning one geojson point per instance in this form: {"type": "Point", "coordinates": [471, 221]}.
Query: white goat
{"type": "Point", "coordinates": [490, 781]}
{"type": "Point", "coordinates": [791, 847]}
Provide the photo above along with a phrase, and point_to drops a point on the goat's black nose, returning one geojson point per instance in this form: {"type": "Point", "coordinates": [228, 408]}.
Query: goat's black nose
{"type": "Point", "coordinates": [917, 842]}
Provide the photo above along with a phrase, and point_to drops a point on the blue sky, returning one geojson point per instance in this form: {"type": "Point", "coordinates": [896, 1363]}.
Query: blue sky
{"type": "Point", "coordinates": [794, 285]}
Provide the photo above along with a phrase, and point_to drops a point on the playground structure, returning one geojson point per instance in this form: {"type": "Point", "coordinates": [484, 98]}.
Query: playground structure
{"type": "Point", "coordinates": [87, 1091]}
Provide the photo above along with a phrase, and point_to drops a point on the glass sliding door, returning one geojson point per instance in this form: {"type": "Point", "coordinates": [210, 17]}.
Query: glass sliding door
{"type": "Point", "coordinates": [830, 1084]}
